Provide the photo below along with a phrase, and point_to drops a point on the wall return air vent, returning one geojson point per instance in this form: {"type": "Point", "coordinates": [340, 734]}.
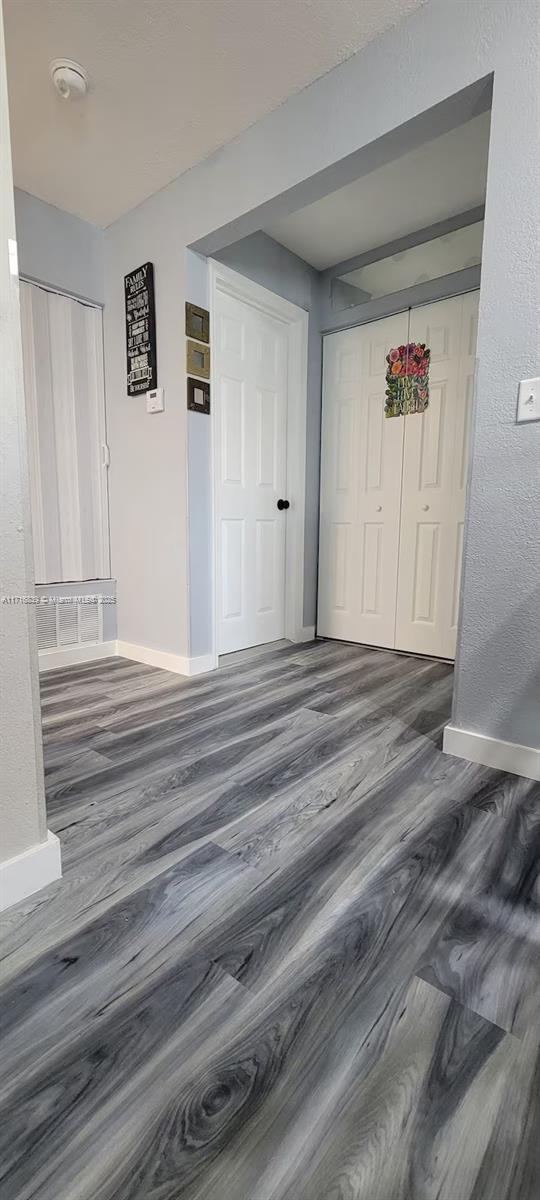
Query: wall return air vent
{"type": "Point", "coordinates": [60, 624]}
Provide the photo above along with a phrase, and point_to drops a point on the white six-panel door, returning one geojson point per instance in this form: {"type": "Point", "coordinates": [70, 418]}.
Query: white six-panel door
{"type": "Point", "coordinates": [251, 472]}
{"type": "Point", "coordinates": [393, 490]}
{"type": "Point", "coordinates": [360, 487]}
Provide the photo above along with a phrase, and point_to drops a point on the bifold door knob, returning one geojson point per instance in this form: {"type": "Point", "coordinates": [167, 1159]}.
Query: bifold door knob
{"type": "Point", "coordinates": [379, 508]}
{"type": "Point", "coordinates": [283, 504]}
{"type": "Point", "coordinates": [425, 507]}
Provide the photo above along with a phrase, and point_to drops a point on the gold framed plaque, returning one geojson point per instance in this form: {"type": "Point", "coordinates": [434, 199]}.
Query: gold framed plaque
{"type": "Point", "coordinates": [198, 359]}
{"type": "Point", "coordinates": [197, 322]}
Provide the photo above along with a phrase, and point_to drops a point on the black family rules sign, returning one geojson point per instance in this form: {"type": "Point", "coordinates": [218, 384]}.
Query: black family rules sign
{"type": "Point", "coordinates": [140, 330]}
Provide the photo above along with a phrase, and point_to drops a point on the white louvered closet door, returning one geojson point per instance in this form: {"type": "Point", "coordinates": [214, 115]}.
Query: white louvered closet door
{"type": "Point", "coordinates": [65, 405]}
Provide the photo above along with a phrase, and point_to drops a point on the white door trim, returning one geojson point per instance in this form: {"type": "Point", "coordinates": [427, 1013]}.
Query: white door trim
{"type": "Point", "coordinates": [223, 279]}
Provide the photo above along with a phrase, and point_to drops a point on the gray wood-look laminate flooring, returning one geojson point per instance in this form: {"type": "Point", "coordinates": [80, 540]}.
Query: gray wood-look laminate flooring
{"type": "Point", "coordinates": [294, 954]}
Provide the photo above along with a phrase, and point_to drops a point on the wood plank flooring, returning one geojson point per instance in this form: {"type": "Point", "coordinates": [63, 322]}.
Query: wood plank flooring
{"type": "Point", "coordinates": [295, 951]}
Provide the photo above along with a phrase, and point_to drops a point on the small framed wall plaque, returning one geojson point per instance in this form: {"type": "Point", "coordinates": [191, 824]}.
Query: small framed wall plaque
{"type": "Point", "coordinates": [197, 359]}
{"type": "Point", "coordinates": [197, 322]}
{"type": "Point", "coordinates": [198, 395]}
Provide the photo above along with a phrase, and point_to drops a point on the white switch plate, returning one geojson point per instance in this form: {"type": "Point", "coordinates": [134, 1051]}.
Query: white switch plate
{"type": "Point", "coordinates": [528, 406]}
{"type": "Point", "coordinates": [154, 400]}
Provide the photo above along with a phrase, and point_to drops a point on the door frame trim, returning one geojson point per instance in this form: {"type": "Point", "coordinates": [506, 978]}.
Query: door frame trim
{"type": "Point", "coordinates": [224, 280]}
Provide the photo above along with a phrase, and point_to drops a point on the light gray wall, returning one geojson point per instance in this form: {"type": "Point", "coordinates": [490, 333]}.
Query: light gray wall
{"type": "Point", "coordinates": [439, 50]}
{"type": "Point", "coordinates": [59, 249]}
{"type": "Point", "coordinates": [265, 261]}
{"type": "Point", "coordinates": [147, 475]}
{"type": "Point", "coordinates": [22, 801]}
{"type": "Point", "coordinates": [498, 669]}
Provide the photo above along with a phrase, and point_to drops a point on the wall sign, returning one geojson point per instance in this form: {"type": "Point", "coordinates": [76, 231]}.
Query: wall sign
{"type": "Point", "coordinates": [198, 395]}
{"type": "Point", "coordinates": [140, 330]}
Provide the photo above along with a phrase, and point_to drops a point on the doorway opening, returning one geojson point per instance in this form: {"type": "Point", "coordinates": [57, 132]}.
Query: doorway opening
{"type": "Point", "coordinates": [385, 260]}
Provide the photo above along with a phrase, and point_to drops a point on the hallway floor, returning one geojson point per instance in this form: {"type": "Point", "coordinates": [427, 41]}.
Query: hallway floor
{"type": "Point", "coordinates": [294, 955]}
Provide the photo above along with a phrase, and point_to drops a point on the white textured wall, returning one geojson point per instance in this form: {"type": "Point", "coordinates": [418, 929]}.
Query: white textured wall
{"type": "Point", "coordinates": [440, 50]}
{"type": "Point", "coordinates": [22, 803]}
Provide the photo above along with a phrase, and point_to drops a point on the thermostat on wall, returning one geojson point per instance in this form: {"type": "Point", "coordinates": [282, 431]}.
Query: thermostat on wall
{"type": "Point", "coordinates": [154, 400]}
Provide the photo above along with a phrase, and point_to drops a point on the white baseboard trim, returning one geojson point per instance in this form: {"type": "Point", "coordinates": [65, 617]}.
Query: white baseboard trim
{"type": "Point", "coordinates": [153, 658]}
{"type": "Point", "coordinates": [30, 871]}
{"type": "Point", "coordinates": [200, 664]}
{"type": "Point", "coordinates": [492, 752]}
{"type": "Point", "coordinates": [177, 663]}
{"type": "Point", "coordinates": [305, 634]}
{"type": "Point", "coordinates": [67, 656]}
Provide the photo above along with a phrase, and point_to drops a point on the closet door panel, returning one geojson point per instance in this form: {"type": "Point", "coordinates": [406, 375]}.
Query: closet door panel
{"type": "Point", "coordinates": [89, 438]}
{"type": "Point", "coordinates": [39, 398]}
{"type": "Point", "coordinates": [64, 382]}
{"type": "Point", "coordinates": [65, 405]}
{"type": "Point", "coordinates": [360, 486]}
{"type": "Point", "coordinates": [435, 466]}
{"type": "Point", "coordinates": [342, 365]}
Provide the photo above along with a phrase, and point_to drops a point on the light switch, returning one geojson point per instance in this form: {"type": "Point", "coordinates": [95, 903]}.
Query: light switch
{"type": "Point", "coordinates": [154, 400]}
{"type": "Point", "coordinates": [528, 406]}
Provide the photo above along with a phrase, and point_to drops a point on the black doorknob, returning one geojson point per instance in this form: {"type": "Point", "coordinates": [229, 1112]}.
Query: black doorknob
{"type": "Point", "coordinates": [283, 504]}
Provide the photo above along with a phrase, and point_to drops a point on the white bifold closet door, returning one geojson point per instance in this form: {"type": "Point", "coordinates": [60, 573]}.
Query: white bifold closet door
{"type": "Point", "coordinates": [360, 487]}
{"type": "Point", "coordinates": [65, 406]}
{"type": "Point", "coordinates": [393, 489]}
{"type": "Point", "coordinates": [435, 470]}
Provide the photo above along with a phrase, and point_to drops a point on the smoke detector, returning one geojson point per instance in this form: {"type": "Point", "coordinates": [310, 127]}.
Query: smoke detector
{"type": "Point", "coordinates": [69, 78]}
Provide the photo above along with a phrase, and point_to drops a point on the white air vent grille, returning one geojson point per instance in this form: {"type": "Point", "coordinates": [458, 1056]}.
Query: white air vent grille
{"type": "Point", "coordinates": [67, 623]}
{"type": "Point", "coordinates": [64, 624]}
{"type": "Point", "coordinates": [90, 623]}
{"type": "Point", "coordinates": [47, 638]}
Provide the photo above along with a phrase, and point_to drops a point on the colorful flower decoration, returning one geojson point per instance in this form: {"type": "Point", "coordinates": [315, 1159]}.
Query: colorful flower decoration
{"type": "Point", "coordinates": [407, 380]}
